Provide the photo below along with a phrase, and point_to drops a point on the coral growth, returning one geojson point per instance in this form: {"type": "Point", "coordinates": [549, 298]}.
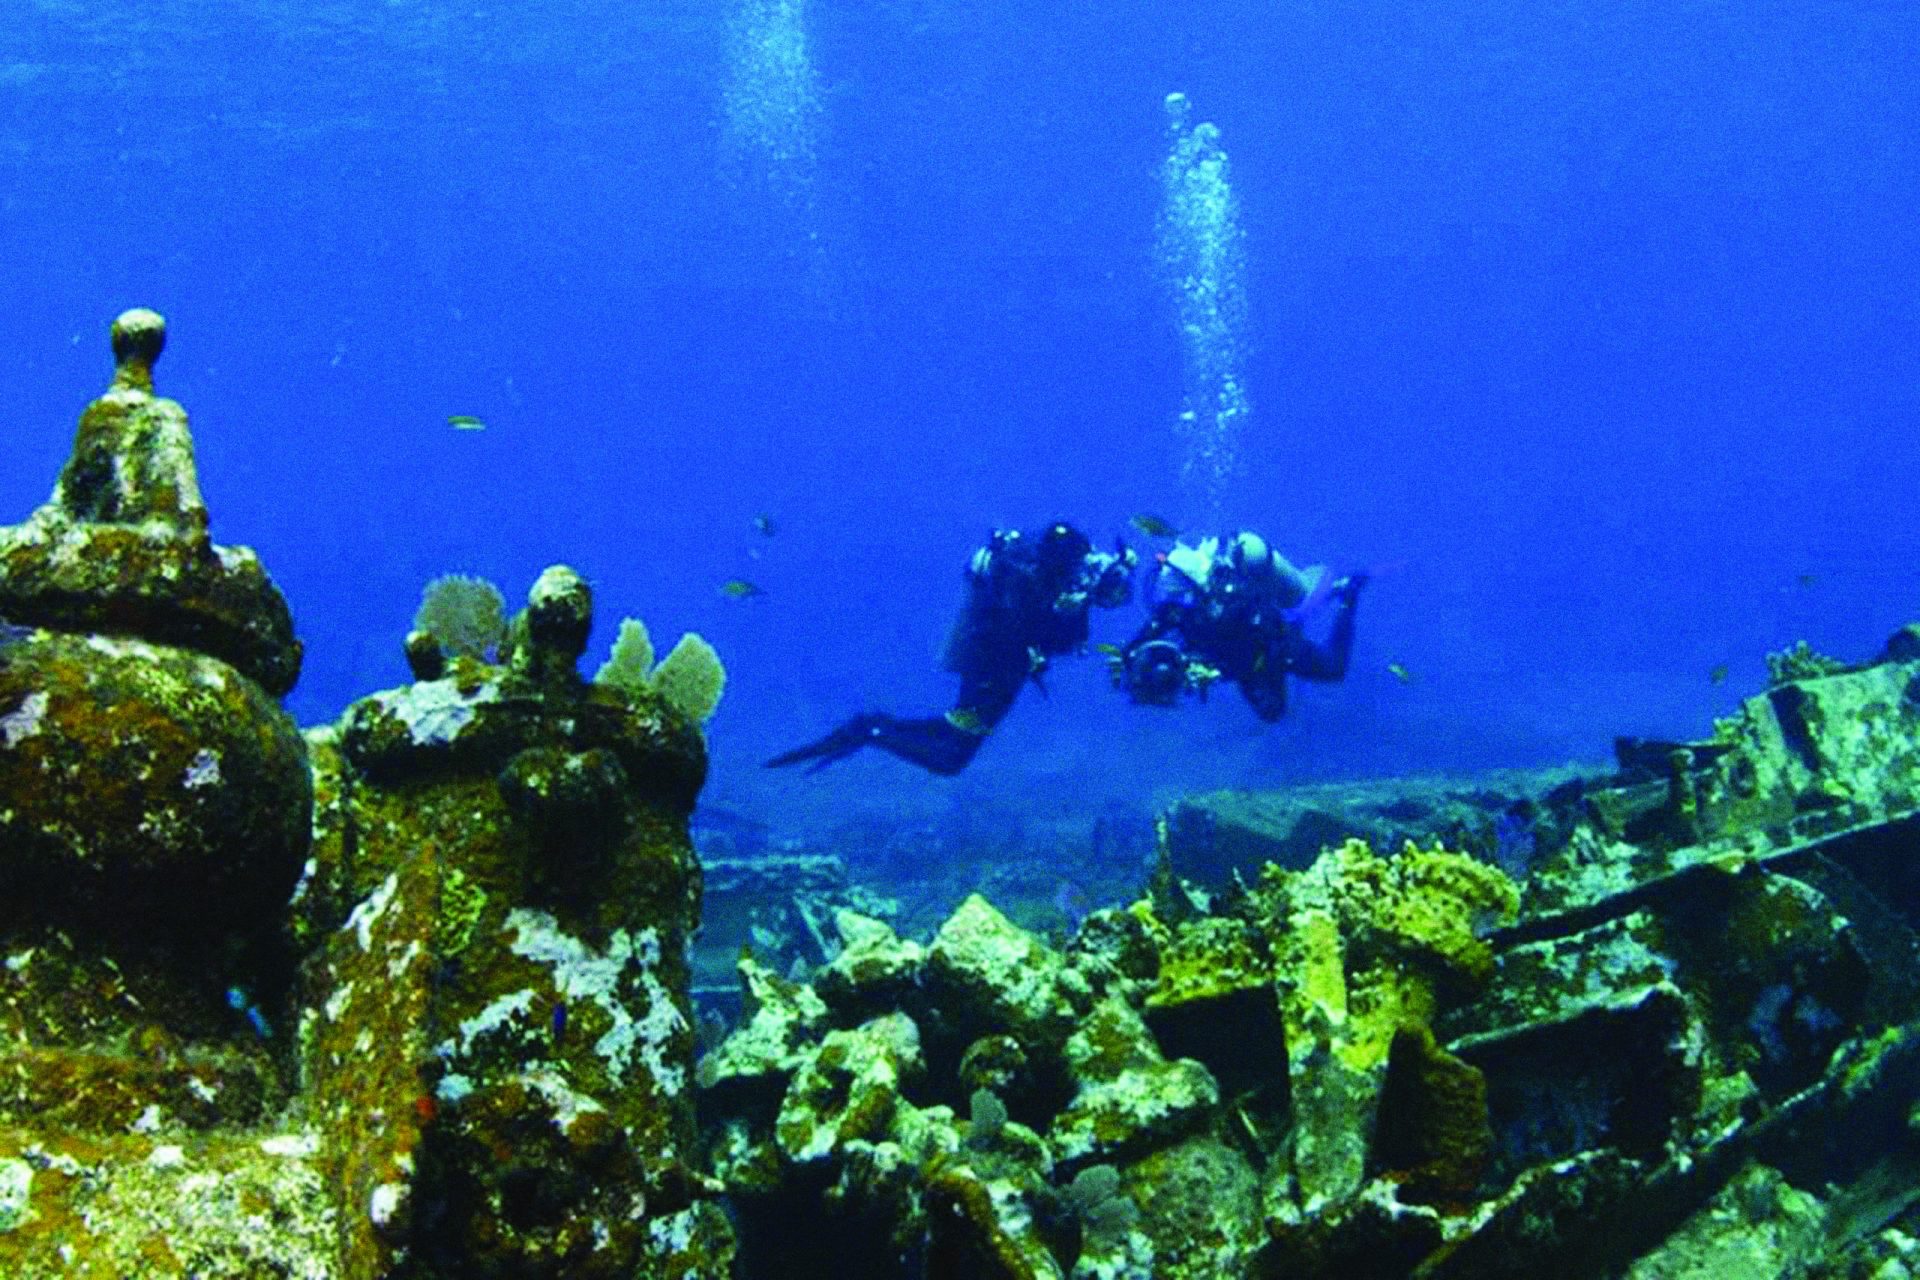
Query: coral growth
{"type": "Point", "coordinates": [466, 616]}
{"type": "Point", "coordinates": [690, 678]}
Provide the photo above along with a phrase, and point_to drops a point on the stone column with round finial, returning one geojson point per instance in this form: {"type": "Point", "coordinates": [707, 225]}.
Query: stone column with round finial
{"type": "Point", "coordinates": [501, 1045]}
{"type": "Point", "coordinates": [155, 799]}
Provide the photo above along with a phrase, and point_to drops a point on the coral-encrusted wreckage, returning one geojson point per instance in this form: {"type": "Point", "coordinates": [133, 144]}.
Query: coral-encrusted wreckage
{"type": "Point", "coordinates": [410, 995]}
{"type": "Point", "coordinates": [406, 996]}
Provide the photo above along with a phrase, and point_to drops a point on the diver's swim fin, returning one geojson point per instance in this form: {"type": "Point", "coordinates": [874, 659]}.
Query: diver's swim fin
{"type": "Point", "coordinates": [838, 745]}
{"type": "Point", "coordinates": [935, 743]}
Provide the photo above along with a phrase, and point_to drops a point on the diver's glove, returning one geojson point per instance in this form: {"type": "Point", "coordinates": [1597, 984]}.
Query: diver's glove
{"type": "Point", "coordinates": [1346, 592]}
{"type": "Point", "coordinates": [838, 745]}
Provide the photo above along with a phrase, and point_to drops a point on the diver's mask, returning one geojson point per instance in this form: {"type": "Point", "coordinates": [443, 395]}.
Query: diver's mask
{"type": "Point", "coordinates": [1109, 577]}
{"type": "Point", "coordinates": [1101, 579]}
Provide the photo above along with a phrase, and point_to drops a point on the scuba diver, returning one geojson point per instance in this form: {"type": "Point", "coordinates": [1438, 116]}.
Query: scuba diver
{"type": "Point", "coordinates": [1028, 597]}
{"type": "Point", "coordinates": [1236, 613]}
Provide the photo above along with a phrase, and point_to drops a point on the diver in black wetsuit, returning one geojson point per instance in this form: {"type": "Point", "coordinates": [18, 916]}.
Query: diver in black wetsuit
{"type": "Point", "coordinates": [1028, 596]}
{"type": "Point", "coordinates": [1237, 613]}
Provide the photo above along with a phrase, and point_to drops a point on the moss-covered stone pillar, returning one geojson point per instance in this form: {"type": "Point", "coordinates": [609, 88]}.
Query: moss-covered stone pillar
{"type": "Point", "coordinates": [155, 811]}
{"type": "Point", "coordinates": [498, 1040]}
{"type": "Point", "coordinates": [154, 798]}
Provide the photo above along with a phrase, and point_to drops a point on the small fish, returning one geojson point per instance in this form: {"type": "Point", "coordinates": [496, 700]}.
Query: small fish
{"type": "Point", "coordinates": [1718, 675]}
{"type": "Point", "coordinates": [763, 525]}
{"type": "Point", "coordinates": [559, 1024]}
{"type": "Point", "coordinates": [1400, 673]}
{"type": "Point", "coordinates": [739, 589]}
{"type": "Point", "coordinates": [465, 422]}
{"type": "Point", "coordinates": [710, 1029]}
{"type": "Point", "coordinates": [1110, 650]}
{"type": "Point", "coordinates": [1805, 580]}
{"type": "Point", "coordinates": [1153, 526]}
{"type": "Point", "coordinates": [242, 1003]}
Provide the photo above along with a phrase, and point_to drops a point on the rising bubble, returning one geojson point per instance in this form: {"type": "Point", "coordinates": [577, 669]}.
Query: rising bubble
{"type": "Point", "coordinates": [1201, 262]}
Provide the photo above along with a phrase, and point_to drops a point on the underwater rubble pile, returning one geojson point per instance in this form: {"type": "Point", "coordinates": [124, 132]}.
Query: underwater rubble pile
{"type": "Point", "coordinates": [1696, 1010]}
{"type": "Point", "coordinates": [781, 897]}
{"type": "Point", "coordinates": [410, 995]}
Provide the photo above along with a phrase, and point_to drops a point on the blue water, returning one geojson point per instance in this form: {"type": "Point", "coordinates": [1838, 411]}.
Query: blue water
{"type": "Point", "coordinates": [1598, 318]}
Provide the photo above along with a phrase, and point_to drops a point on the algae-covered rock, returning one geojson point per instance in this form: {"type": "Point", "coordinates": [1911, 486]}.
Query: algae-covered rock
{"type": "Point", "coordinates": [874, 970]}
{"type": "Point", "coordinates": [481, 718]}
{"type": "Point", "coordinates": [1781, 979]}
{"type": "Point", "coordinates": [999, 1065]}
{"type": "Point", "coordinates": [781, 1021]}
{"type": "Point", "coordinates": [1432, 1132]}
{"type": "Point", "coordinates": [99, 1046]}
{"type": "Point", "coordinates": [1558, 978]}
{"type": "Point", "coordinates": [1827, 748]}
{"type": "Point", "coordinates": [983, 1225]}
{"type": "Point", "coordinates": [1119, 944]}
{"type": "Point", "coordinates": [1364, 946]}
{"type": "Point", "coordinates": [148, 782]}
{"type": "Point", "coordinates": [848, 1089]}
{"type": "Point", "coordinates": [230, 1207]}
{"type": "Point", "coordinates": [144, 787]}
{"type": "Point", "coordinates": [1214, 1001]}
{"type": "Point", "coordinates": [1199, 1204]}
{"type": "Point", "coordinates": [1759, 1227]}
{"type": "Point", "coordinates": [1214, 959]}
{"type": "Point", "coordinates": [154, 815]}
{"type": "Point", "coordinates": [993, 976]}
{"type": "Point", "coordinates": [1531, 1036]}
{"type": "Point", "coordinates": [1128, 1097]}
{"type": "Point", "coordinates": [988, 1206]}
{"type": "Point", "coordinates": [559, 618]}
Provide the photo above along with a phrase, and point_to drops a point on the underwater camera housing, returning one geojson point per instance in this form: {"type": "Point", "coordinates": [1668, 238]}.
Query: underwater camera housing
{"type": "Point", "coordinates": [1156, 674]}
